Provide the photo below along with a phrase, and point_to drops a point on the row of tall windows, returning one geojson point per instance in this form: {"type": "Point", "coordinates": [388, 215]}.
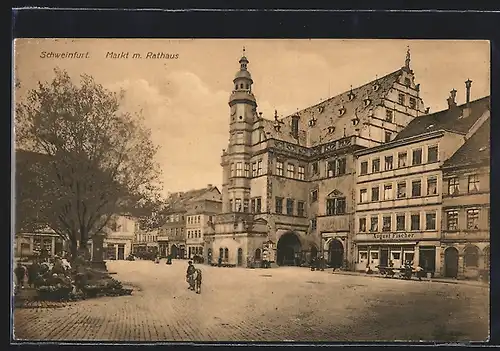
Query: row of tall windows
{"type": "Point", "coordinates": [193, 219]}
{"type": "Point", "coordinates": [290, 207]}
{"type": "Point", "coordinates": [192, 234]}
{"type": "Point", "coordinates": [291, 170]}
{"type": "Point", "coordinates": [472, 219]}
{"type": "Point", "coordinates": [242, 169]}
{"type": "Point", "coordinates": [402, 160]}
{"type": "Point", "coordinates": [239, 205]}
{"type": "Point", "coordinates": [397, 222]}
{"type": "Point", "coordinates": [400, 191]}
{"type": "Point", "coordinates": [175, 218]}
{"type": "Point", "coordinates": [334, 168]}
{"type": "Point", "coordinates": [412, 101]}
{"type": "Point", "coordinates": [472, 184]}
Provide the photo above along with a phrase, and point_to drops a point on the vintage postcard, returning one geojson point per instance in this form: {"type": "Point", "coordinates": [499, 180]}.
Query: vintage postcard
{"type": "Point", "coordinates": [196, 190]}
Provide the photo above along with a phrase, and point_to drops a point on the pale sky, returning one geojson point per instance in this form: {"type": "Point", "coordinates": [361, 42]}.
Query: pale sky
{"type": "Point", "coordinates": [184, 100]}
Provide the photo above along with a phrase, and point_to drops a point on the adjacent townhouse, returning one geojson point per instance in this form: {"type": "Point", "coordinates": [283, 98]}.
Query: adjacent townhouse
{"type": "Point", "coordinates": [398, 188]}
{"type": "Point", "coordinates": [465, 242]}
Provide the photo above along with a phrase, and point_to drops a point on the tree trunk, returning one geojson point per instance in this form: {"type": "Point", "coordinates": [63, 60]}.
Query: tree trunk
{"type": "Point", "coordinates": [73, 248]}
{"type": "Point", "coordinates": [84, 239]}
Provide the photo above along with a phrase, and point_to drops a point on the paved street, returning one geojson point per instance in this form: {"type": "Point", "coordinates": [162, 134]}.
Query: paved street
{"type": "Point", "coordinates": [287, 303]}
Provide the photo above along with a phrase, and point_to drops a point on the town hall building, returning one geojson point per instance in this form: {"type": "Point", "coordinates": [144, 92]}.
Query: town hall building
{"type": "Point", "coordinates": [288, 185]}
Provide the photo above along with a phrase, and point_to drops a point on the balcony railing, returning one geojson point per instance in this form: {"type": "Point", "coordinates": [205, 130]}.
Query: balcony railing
{"type": "Point", "coordinates": [233, 217]}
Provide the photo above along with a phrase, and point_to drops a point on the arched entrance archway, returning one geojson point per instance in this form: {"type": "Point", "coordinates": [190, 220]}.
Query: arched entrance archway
{"type": "Point", "coordinates": [335, 253]}
{"type": "Point", "coordinates": [288, 249]}
{"type": "Point", "coordinates": [471, 257]}
{"type": "Point", "coordinates": [173, 251]}
{"type": "Point", "coordinates": [451, 262]}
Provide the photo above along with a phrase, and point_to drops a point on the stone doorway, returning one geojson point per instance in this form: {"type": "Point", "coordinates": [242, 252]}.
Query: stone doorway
{"type": "Point", "coordinates": [451, 262]}
{"type": "Point", "coordinates": [335, 254]}
{"type": "Point", "coordinates": [288, 248]}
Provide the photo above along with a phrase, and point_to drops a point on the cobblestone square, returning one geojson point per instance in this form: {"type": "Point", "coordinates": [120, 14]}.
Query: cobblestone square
{"type": "Point", "coordinates": [286, 303]}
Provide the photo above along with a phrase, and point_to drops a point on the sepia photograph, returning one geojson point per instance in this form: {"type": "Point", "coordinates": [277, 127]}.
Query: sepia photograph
{"type": "Point", "coordinates": [250, 190]}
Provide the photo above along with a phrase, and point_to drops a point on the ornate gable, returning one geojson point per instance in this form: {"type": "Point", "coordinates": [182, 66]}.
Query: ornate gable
{"type": "Point", "coordinates": [335, 193]}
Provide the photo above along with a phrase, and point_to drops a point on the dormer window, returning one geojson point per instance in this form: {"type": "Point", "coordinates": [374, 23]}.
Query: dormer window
{"type": "Point", "coordinates": [342, 110]}
{"type": "Point", "coordinates": [355, 121]}
{"type": "Point", "coordinates": [331, 129]}
{"type": "Point", "coordinates": [367, 101]}
{"type": "Point", "coordinates": [312, 122]}
{"type": "Point", "coordinates": [376, 87]}
{"type": "Point", "coordinates": [277, 127]}
{"type": "Point", "coordinates": [321, 109]}
{"type": "Point", "coordinates": [351, 96]}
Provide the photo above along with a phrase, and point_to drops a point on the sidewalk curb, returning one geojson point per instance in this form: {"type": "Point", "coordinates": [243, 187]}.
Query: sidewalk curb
{"type": "Point", "coordinates": [435, 280]}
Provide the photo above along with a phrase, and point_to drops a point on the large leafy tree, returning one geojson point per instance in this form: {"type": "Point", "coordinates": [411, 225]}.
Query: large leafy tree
{"type": "Point", "coordinates": [90, 160]}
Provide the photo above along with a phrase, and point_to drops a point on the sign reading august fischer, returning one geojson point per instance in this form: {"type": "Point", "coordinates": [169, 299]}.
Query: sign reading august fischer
{"type": "Point", "coordinates": [394, 236]}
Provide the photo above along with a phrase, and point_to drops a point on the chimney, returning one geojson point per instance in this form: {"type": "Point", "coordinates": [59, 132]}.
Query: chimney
{"type": "Point", "coordinates": [468, 83]}
{"type": "Point", "coordinates": [427, 110]}
{"type": "Point", "coordinates": [452, 103]}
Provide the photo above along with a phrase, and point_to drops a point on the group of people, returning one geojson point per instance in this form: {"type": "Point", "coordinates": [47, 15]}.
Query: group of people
{"type": "Point", "coordinates": [39, 267]}
{"type": "Point", "coordinates": [318, 263]}
{"type": "Point", "coordinates": [406, 269]}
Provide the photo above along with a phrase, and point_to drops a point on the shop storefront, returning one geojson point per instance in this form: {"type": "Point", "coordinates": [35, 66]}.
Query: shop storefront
{"type": "Point", "coordinates": [163, 249]}
{"type": "Point", "coordinates": [116, 250]}
{"type": "Point", "coordinates": [195, 251]}
{"type": "Point", "coordinates": [395, 249]}
{"type": "Point", "coordinates": [374, 255]}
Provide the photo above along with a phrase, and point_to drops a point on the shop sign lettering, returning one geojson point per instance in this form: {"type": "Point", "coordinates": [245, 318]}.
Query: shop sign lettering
{"type": "Point", "coordinates": [392, 236]}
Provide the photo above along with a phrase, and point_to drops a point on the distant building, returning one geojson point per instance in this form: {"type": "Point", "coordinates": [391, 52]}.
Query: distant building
{"type": "Point", "coordinates": [200, 213]}
{"type": "Point", "coordinates": [398, 188]}
{"type": "Point", "coordinates": [288, 183]}
{"type": "Point", "coordinates": [145, 240]}
{"type": "Point", "coordinates": [33, 243]}
{"type": "Point", "coordinates": [465, 243]}
{"type": "Point", "coordinates": [187, 220]}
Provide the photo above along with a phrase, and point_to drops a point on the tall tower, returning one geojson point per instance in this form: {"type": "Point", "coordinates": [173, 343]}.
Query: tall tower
{"type": "Point", "coordinates": [236, 159]}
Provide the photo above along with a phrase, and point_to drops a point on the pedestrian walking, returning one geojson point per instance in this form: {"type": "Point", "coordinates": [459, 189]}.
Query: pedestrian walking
{"type": "Point", "coordinates": [420, 272]}
{"type": "Point", "coordinates": [322, 263]}
{"type": "Point", "coordinates": [189, 275]}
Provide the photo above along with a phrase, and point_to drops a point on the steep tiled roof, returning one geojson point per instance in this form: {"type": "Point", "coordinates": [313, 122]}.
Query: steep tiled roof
{"type": "Point", "coordinates": [326, 114]}
{"type": "Point", "coordinates": [475, 150]}
{"type": "Point", "coordinates": [449, 119]}
{"type": "Point", "coordinates": [177, 201]}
